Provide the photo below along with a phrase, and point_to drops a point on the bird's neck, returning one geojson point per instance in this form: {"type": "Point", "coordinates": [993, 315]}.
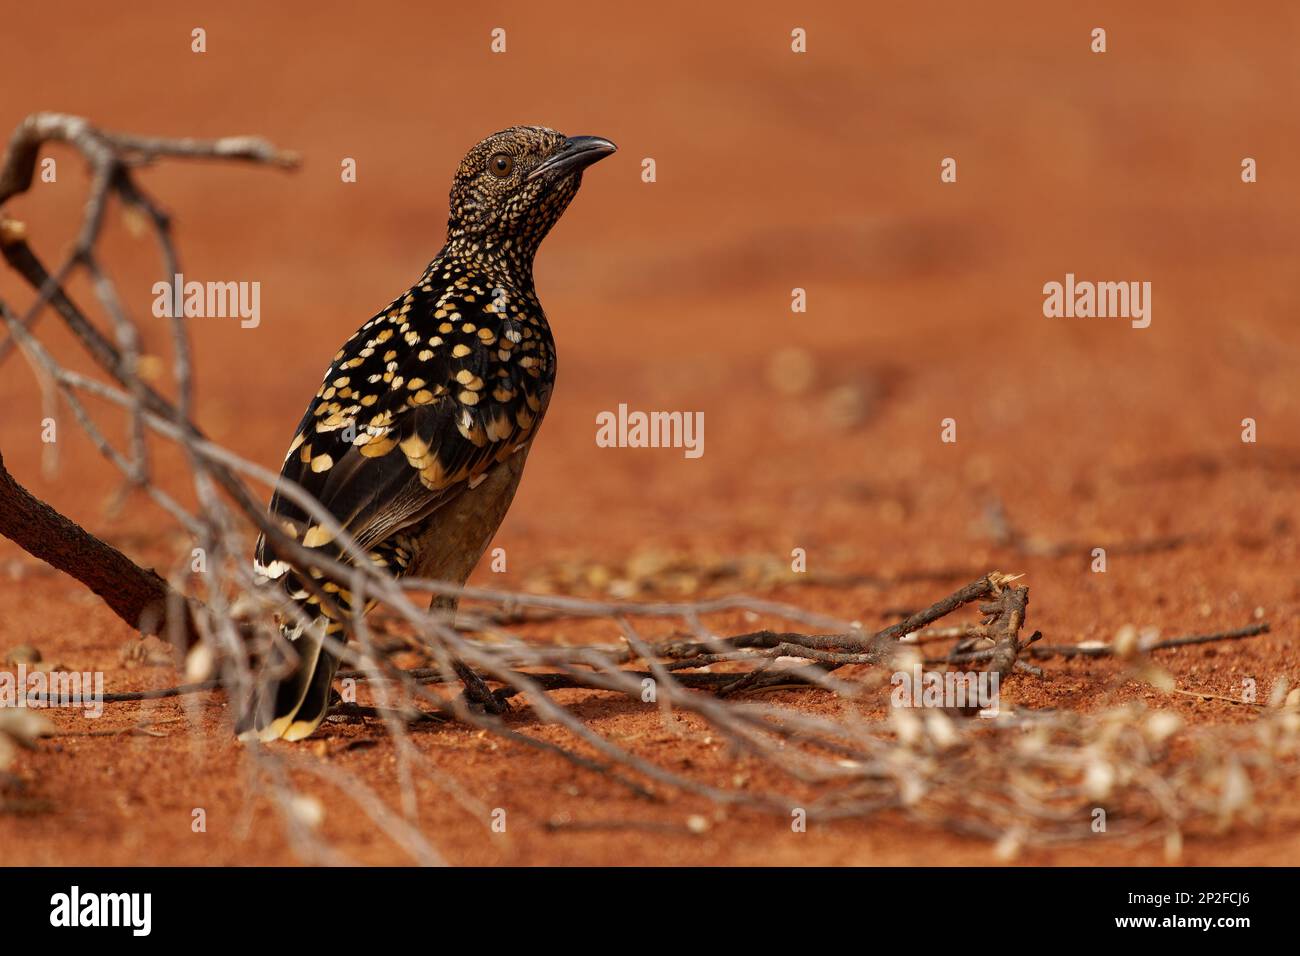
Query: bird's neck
{"type": "Point", "coordinates": [505, 261]}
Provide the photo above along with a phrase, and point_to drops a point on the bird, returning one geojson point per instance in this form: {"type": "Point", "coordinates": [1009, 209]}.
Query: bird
{"type": "Point", "coordinates": [416, 439]}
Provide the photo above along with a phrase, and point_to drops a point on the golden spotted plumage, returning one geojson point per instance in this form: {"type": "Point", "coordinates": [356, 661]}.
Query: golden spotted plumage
{"type": "Point", "coordinates": [416, 438]}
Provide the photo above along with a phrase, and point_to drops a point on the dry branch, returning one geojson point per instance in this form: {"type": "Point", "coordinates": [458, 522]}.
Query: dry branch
{"type": "Point", "coordinates": [1107, 650]}
{"type": "Point", "coordinates": [138, 596]}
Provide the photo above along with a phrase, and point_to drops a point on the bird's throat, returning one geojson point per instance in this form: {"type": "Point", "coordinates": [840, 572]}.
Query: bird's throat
{"type": "Point", "coordinates": [505, 260]}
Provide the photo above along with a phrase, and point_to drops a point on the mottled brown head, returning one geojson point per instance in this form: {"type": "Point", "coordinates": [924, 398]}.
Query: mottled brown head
{"type": "Point", "coordinates": [513, 186]}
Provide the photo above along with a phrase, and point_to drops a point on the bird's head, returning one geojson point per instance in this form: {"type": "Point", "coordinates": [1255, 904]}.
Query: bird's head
{"type": "Point", "coordinates": [513, 187]}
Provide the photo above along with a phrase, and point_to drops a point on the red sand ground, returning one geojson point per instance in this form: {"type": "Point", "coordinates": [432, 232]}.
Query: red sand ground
{"type": "Point", "coordinates": [774, 171]}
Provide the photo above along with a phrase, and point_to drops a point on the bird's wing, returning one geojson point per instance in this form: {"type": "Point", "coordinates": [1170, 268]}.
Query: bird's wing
{"type": "Point", "coordinates": [418, 405]}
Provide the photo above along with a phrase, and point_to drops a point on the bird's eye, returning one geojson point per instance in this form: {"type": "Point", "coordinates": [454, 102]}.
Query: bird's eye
{"type": "Point", "coordinates": [501, 165]}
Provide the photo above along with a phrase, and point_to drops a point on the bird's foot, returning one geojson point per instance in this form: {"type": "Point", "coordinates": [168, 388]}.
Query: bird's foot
{"type": "Point", "coordinates": [477, 695]}
{"type": "Point", "coordinates": [495, 704]}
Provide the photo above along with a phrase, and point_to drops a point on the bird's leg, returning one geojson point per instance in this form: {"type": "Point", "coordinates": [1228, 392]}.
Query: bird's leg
{"type": "Point", "coordinates": [477, 691]}
{"type": "Point", "coordinates": [336, 701]}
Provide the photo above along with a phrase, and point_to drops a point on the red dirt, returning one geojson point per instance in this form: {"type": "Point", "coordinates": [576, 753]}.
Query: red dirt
{"type": "Point", "coordinates": [774, 171]}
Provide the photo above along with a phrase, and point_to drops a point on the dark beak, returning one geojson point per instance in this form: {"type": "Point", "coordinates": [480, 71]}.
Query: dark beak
{"type": "Point", "coordinates": [575, 155]}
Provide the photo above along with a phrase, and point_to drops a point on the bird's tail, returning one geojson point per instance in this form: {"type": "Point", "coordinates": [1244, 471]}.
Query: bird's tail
{"type": "Point", "coordinates": [291, 704]}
